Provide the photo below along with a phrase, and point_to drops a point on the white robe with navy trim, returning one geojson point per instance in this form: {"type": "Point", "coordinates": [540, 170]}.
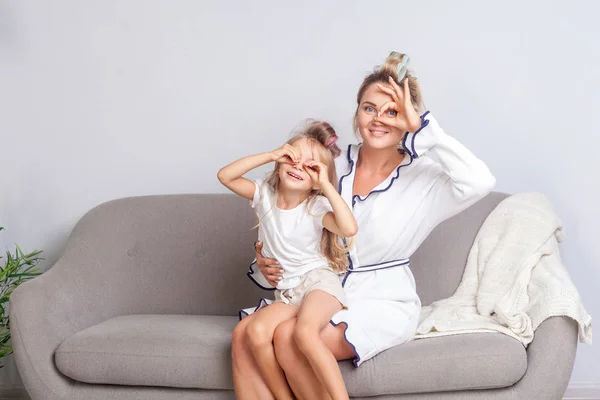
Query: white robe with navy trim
{"type": "Point", "coordinates": [437, 179]}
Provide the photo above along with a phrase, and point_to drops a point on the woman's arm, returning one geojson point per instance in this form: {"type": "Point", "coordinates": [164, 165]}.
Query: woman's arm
{"type": "Point", "coordinates": [269, 267]}
{"type": "Point", "coordinates": [465, 178]}
{"type": "Point", "coordinates": [469, 177]}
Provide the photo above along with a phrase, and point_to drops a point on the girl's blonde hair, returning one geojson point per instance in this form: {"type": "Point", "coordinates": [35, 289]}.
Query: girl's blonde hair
{"type": "Point", "coordinates": [322, 138]}
{"type": "Point", "coordinates": [381, 74]}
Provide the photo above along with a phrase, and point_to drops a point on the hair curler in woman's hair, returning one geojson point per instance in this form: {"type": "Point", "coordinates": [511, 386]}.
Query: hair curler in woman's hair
{"type": "Point", "coordinates": [403, 67]}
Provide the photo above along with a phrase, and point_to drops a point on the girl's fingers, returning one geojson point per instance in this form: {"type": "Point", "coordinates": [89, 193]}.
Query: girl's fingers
{"type": "Point", "coordinates": [312, 173]}
{"type": "Point", "coordinates": [296, 153]}
{"type": "Point", "coordinates": [312, 166]}
{"type": "Point", "coordinates": [286, 160]}
{"type": "Point", "coordinates": [290, 152]}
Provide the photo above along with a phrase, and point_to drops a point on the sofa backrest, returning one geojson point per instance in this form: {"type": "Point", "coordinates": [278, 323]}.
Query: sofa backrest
{"type": "Point", "coordinates": [439, 263]}
{"type": "Point", "coordinates": [190, 254]}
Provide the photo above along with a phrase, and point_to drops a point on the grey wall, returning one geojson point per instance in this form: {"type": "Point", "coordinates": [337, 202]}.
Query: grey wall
{"type": "Point", "coordinates": [106, 99]}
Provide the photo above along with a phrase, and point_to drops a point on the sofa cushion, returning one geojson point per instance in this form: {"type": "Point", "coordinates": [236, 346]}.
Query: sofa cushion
{"type": "Point", "coordinates": [185, 351]}
{"type": "Point", "coordinates": [440, 364]}
{"type": "Point", "coordinates": [190, 351]}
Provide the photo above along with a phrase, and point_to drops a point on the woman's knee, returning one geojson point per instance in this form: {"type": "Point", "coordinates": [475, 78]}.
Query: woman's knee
{"type": "Point", "coordinates": [238, 340]}
{"type": "Point", "coordinates": [257, 334]}
{"type": "Point", "coordinates": [283, 341]}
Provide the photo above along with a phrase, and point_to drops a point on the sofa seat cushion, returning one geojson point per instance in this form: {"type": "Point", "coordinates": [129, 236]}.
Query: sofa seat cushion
{"type": "Point", "coordinates": [185, 351]}
{"type": "Point", "coordinates": [440, 364]}
{"type": "Point", "coordinates": [191, 351]}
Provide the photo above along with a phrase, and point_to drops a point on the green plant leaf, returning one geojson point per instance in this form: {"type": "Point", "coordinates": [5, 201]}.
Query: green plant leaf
{"type": "Point", "coordinates": [15, 269]}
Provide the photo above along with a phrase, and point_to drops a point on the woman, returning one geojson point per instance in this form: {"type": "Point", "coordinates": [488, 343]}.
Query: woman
{"type": "Point", "coordinates": [405, 178]}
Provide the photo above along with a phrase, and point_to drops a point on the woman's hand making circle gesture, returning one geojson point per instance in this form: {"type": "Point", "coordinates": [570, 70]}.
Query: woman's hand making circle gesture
{"type": "Point", "coordinates": [399, 113]}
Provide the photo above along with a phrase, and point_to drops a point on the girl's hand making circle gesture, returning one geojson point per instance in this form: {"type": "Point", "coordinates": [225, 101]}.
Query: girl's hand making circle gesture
{"type": "Point", "coordinates": [399, 113]}
{"type": "Point", "coordinates": [318, 173]}
{"type": "Point", "coordinates": [287, 154]}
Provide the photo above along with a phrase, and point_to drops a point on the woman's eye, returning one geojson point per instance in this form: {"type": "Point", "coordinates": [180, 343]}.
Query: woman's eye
{"type": "Point", "coordinates": [392, 113]}
{"type": "Point", "coordinates": [369, 109]}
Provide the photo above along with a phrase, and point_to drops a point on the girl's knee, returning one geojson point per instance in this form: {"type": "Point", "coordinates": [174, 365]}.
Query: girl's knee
{"type": "Point", "coordinates": [305, 335]}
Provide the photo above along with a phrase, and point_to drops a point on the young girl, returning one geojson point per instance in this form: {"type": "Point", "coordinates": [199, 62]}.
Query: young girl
{"type": "Point", "coordinates": [302, 219]}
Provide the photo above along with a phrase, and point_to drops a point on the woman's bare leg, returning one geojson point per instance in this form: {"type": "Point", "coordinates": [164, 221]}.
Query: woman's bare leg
{"type": "Point", "coordinates": [259, 333]}
{"type": "Point", "coordinates": [315, 313]}
{"type": "Point", "coordinates": [248, 383]}
{"type": "Point", "coordinates": [300, 375]}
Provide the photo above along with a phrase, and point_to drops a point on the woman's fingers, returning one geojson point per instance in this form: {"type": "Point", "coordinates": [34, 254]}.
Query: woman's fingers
{"type": "Point", "coordinates": [413, 118]}
{"type": "Point", "coordinates": [269, 267]}
{"type": "Point", "coordinates": [389, 91]}
{"type": "Point", "coordinates": [272, 274]}
{"type": "Point", "coordinates": [399, 93]}
{"type": "Point", "coordinates": [390, 105]}
{"type": "Point", "coordinates": [272, 263]}
{"type": "Point", "coordinates": [407, 99]}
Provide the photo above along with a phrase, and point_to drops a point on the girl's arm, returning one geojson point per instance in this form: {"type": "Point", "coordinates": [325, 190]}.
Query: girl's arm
{"type": "Point", "coordinates": [232, 175]}
{"type": "Point", "coordinates": [341, 221]}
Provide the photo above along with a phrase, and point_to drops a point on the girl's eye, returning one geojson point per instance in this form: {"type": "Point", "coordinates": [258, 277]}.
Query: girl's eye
{"type": "Point", "coordinates": [392, 113]}
{"type": "Point", "coordinates": [369, 109]}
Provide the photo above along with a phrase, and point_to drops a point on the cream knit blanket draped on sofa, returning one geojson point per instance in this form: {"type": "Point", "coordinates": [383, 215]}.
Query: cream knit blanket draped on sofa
{"type": "Point", "coordinates": [514, 278]}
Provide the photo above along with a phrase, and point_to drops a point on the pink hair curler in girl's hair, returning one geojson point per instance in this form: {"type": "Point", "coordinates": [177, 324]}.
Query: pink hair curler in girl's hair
{"type": "Point", "coordinates": [331, 141]}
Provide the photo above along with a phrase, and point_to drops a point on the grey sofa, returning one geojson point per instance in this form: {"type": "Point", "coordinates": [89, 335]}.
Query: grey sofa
{"type": "Point", "coordinates": [142, 303]}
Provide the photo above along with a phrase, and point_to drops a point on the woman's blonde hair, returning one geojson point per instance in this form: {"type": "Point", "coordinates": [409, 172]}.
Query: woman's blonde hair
{"type": "Point", "coordinates": [322, 138]}
{"type": "Point", "coordinates": [381, 74]}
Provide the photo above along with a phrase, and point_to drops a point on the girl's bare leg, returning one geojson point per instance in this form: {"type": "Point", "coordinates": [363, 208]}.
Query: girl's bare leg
{"type": "Point", "coordinates": [315, 313]}
{"type": "Point", "coordinates": [248, 383]}
{"type": "Point", "coordinates": [300, 375]}
{"type": "Point", "coordinates": [259, 334]}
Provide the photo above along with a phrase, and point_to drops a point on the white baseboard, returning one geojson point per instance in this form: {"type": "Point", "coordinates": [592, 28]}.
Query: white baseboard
{"type": "Point", "coordinates": [583, 391]}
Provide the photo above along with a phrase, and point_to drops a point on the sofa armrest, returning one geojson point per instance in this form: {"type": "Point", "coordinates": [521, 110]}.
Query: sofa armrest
{"type": "Point", "coordinates": [50, 308]}
{"type": "Point", "coordinates": [550, 359]}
